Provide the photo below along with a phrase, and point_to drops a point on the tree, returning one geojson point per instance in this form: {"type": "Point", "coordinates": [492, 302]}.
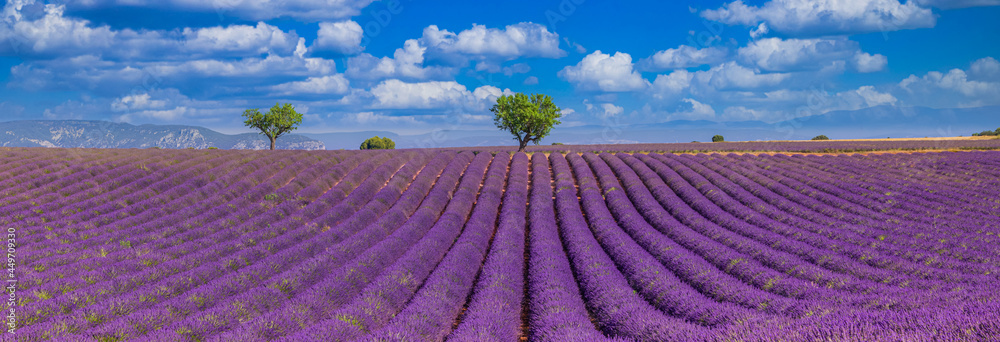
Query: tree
{"type": "Point", "coordinates": [376, 143]}
{"type": "Point", "coordinates": [528, 118]}
{"type": "Point", "coordinates": [278, 120]}
{"type": "Point", "coordinates": [718, 138]}
{"type": "Point", "coordinates": [821, 137]}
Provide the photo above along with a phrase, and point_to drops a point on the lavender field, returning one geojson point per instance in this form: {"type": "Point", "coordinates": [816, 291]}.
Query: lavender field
{"type": "Point", "coordinates": [448, 245]}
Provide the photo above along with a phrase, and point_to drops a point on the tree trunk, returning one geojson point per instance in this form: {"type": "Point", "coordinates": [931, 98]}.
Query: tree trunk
{"type": "Point", "coordinates": [523, 145]}
{"type": "Point", "coordinates": [272, 142]}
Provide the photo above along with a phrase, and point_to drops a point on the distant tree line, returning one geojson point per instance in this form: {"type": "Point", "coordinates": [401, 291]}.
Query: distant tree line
{"type": "Point", "coordinates": [987, 133]}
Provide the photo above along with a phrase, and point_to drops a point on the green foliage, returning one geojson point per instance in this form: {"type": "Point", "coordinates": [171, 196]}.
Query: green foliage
{"type": "Point", "coordinates": [528, 118]}
{"type": "Point", "coordinates": [821, 137]}
{"type": "Point", "coordinates": [376, 143]}
{"type": "Point", "coordinates": [718, 138]}
{"type": "Point", "coordinates": [277, 121]}
{"type": "Point", "coordinates": [987, 133]}
{"type": "Point", "coordinates": [213, 148]}
{"type": "Point", "coordinates": [556, 144]}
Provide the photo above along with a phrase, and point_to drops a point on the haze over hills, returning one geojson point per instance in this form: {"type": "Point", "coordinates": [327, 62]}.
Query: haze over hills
{"type": "Point", "coordinates": [104, 134]}
{"type": "Point", "coordinates": [875, 122]}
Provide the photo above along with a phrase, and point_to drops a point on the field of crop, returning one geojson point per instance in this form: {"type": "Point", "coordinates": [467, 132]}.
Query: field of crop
{"type": "Point", "coordinates": [432, 245]}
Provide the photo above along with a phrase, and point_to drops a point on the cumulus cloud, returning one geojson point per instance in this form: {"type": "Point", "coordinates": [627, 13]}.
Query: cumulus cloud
{"type": "Point", "coordinates": [732, 76]}
{"type": "Point", "coordinates": [239, 40]}
{"type": "Point", "coordinates": [342, 37]}
{"type": "Point", "coordinates": [671, 85]}
{"type": "Point", "coordinates": [521, 40]}
{"type": "Point", "coordinates": [986, 69]}
{"type": "Point", "coordinates": [396, 94]}
{"type": "Point", "coordinates": [602, 72]}
{"type": "Point", "coordinates": [865, 97]}
{"type": "Point", "coordinates": [531, 80]}
{"type": "Point", "coordinates": [306, 10]}
{"type": "Point", "coordinates": [407, 62]}
{"type": "Point", "coordinates": [52, 33]}
{"type": "Point", "coordinates": [55, 35]}
{"type": "Point", "coordinates": [826, 17]}
{"type": "Point", "coordinates": [776, 54]}
{"type": "Point", "coordinates": [684, 57]}
{"type": "Point", "coordinates": [979, 86]}
{"type": "Point", "coordinates": [141, 101]}
{"type": "Point", "coordinates": [326, 85]}
{"type": "Point", "coordinates": [865, 62]}
{"type": "Point", "coordinates": [691, 109]}
{"type": "Point", "coordinates": [759, 31]}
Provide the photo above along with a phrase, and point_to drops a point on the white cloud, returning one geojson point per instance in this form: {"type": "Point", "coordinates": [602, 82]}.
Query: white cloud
{"type": "Point", "coordinates": [521, 40]}
{"type": "Point", "coordinates": [342, 37]}
{"type": "Point", "coordinates": [671, 85]}
{"type": "Point", "coordinates": [603, 72]}
{"type": "Point", "coordinates": [609, 110]}
{"type": "Point", "coordinates": [684, 57]}
{"type": "Point", "coordinates": [531, 80]}
{"type": "Point", "coordinates": [986, 69]}
{"type": "Point", "coordinates": [741, 113]}
{"type": "Point", "coordinates": [864, 62]}
{"type": "Point", "coordinates": [951, 4]}
{"type": "Point", "coordinates": [865, 97]}
{"type": "Point", "coordinates": [51, 34]}
{"type": "Point", "coordinates": [406, 62]}
{"type": "Point", "coordinates": [691, 109]}
{"type": "Point", "coordinates": [396, 94]}
{"type": "Point", "coordinates": [732, 76]}
{"type": "Point", "coordinates": [331, 84]}
{"type": "Point", "coordinates": [55, 35]}
{"type": "Point", "coordinates": [136, 102]}
{"type": "Point", "coordinates": [759, 31]}
{"type": "Point", "coordinates": [239, 39]}
{"type": "Point", "coordinates": [307, 10]}
{"type": "Point", "coordinates": [776, 54]}
{"type": "Point", "coordinates": [979, 86]}
{"type": "Point", "coordinates": [825, 17]}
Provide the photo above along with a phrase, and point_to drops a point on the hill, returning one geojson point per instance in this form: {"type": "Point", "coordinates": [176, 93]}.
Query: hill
{"type": "Point", "coordinates": [103, 134]}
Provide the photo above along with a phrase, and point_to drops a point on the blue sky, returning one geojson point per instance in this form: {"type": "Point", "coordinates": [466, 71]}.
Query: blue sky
{"type": "Point", "coordinates": [413, 66]}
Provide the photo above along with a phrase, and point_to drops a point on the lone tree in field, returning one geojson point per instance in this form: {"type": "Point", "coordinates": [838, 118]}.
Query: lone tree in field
{"type": "Point", "coordinates": [528, 118]}
{"type": "Point", "coordinates": [278, 120]}
{"type": "Point", "coordinates": [376, 143]}
{"type": "Point", "coordinates": [718, 138]}
{"type": "Point", "coordinates": [821, 137]}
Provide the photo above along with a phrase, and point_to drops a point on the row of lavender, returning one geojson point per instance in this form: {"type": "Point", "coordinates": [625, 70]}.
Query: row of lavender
{"type": "Point", "coordinates": [824, 146]}
{"type": "Point", "coordinates": [417, 245]}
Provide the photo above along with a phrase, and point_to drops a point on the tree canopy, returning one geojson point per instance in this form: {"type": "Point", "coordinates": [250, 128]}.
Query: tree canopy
{"type": "Point", "coordinates": [528, 118]}
{"type": "Point", "coordinates": [820, 137]}
{"type": "Point", "coordinates": [718, 138]}
{"type": "Point", "coordinates": [277, 121]}
{"type": "Point", "coordinates": [376, 143]}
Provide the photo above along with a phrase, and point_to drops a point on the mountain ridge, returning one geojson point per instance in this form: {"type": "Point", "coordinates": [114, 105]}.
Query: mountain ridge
{"type": "Point", "coordinates": [106, 134]}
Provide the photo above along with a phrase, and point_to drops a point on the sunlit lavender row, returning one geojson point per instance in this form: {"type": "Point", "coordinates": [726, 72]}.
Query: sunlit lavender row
{"type": "Point", "coordinates": [446, 245]}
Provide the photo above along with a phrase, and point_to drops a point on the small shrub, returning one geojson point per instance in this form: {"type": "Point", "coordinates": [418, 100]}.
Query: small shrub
{"type": "Point", "coordinates": [376, 143]}
{"type": "Point", "coordinates": [718, 138]}
{"type": "Point", "coordinates": [554, 144]}
{"type": "Point", "coordinates": [213, 148]}
{"type": "Point", "coordinates": [821, 137]}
